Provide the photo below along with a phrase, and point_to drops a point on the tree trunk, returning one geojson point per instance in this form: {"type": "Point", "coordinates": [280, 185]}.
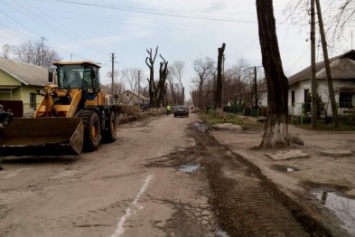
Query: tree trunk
{"type": "Point", "coordinates": [275, 130]}
{"type": "Point", "coordinates": [163, 75]}
{"type": "Point", "coordinates": [152, 90]}
{"type": "Point", "coordinates": [219, 86]}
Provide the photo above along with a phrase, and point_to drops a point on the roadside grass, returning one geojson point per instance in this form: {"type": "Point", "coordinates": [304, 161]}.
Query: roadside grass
{"type": "Point", "coordinates": [321, 126]}
{"type": "Point", "coordinates": [245, 122]}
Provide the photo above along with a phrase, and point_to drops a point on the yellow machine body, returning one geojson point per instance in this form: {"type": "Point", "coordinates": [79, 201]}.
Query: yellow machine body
{"type": "Point", "coordinates": [62, 122]}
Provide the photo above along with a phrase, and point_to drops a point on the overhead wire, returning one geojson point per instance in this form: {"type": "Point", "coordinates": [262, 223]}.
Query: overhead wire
{"type": "Point", "coordinates": [153, 12]}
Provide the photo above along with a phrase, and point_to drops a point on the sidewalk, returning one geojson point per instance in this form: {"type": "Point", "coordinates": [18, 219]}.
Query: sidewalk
{"type": "Point", "coordinates": [319, 176]}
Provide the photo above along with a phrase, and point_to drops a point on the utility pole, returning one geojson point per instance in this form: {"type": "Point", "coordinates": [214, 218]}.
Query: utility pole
{"type": "Point", "coordinates": [256, 87]}
{"type": "Point", "coordinates": [113, 77]}
{"type": "Point", "coordinates": [327, 66]}
{"type": "Point", "coordinates": [139, 86]}
{"type": "Point", "coordinates": [313, 63]}
{"type": "Point", "coordinates": [256, 84]}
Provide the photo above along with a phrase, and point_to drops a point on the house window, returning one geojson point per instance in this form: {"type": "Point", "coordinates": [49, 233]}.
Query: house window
{"type": "Point", "coordinates": [307, 101]}
{"type": "Point", "coordinates": [307, 96]}
{"type": "Point", "coordinates": [293, 98]}
{"type": "Point", "coordinates": [345, 100]}
{"type": "Point", "coordinates": [33, 103]}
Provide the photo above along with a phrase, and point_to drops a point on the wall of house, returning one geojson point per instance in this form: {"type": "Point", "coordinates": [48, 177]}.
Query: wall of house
{"type": "Point", "coordinates": [26, 97]}
{"type": "Point", "coordinates": [22, 92]}
{"type": "Point", "coordinates": [300, 88]}
{"type": "Point", "coordinates": [131, 99]}
{"type": "Point", "coordinates": [8, 81]}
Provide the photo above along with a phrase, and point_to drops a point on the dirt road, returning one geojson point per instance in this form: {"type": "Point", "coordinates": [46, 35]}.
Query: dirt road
{"type": "Point", "coordinates": [162, 177]}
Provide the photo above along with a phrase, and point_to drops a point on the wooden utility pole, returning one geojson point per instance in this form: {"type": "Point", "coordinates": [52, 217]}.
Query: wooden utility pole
{"type": "Point", "coordinates": [327, 66]}
{"type": "Point", "coordinates": [139, 85]}
{"type": "Point", "coordinates": [256, 87]}
{"type": "Point", "coordinates": [313, 63]}
{"type": "Point", "coordinates": [113, 77]}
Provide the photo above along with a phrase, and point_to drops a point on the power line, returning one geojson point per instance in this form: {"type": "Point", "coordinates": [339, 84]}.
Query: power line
{"type": "Point", "coordinates": [153, 12]}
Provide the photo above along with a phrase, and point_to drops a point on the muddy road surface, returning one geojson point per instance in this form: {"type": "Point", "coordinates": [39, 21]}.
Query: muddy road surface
{"type": "Point", "coordinates": [164, 176]}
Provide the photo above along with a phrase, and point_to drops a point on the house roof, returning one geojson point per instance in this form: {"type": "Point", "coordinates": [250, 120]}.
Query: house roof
{"type": "Point", "coordinates": [135, 94]}
{"type": "Point", "coordinates": [342, 67]}
{"type": "Point", "coordinates": [26, 73]}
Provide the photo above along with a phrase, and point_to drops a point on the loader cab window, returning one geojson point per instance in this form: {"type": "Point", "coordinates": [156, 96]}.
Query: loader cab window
{"type": "Point", "coordinates": [91, 77]}
{"type": "Point", "coordinates": [78, 76]}
{"type": "Point", "coordinates": [94, 73]}
{"type": "Point", "coordinates": [70, 76]}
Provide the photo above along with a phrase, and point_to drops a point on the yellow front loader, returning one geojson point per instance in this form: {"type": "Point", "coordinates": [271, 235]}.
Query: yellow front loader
{"type": "Point", "coordinates": [73, 116]}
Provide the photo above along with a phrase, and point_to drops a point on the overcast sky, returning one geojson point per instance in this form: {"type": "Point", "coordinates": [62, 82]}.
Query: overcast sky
{"type": "Point", "coordinates": [183, 29]}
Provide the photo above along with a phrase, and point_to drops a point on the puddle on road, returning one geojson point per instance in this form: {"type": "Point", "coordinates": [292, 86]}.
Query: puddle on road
{"type": "Point", "coordinates": [221, 233]}
{"type": "Point", "coordinates": [284, 168]}
{"type": "Point", "coordinates": [201, 126]}
{"type": "Point", "coordinates": [189, 168]}
{"type": "Point", "coordinates": [343, 207]}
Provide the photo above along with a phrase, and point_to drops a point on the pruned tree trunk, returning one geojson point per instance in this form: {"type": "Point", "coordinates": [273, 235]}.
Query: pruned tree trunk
{"type": "Point", "coordinates": [152, 89]}
{"type": "Point", "coordinates": [275, 130]}
{"type": "Point", "coordinates": [163, 75]}
{"type": "Point", "coordinates": [219, 84]}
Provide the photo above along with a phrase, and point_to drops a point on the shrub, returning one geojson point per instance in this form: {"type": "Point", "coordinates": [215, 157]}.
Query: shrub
{"type": "Point", "coordinates": [127, 109]}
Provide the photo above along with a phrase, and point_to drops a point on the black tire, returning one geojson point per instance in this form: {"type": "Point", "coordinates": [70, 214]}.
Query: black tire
{"type": "Point", "coordinates": [92, 130]}
{"type": "Point", "coordinates": [109, 135]}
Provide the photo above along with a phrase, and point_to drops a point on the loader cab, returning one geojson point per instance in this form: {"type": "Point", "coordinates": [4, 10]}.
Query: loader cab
{"type": "Point", "coordinates": [78, 75]}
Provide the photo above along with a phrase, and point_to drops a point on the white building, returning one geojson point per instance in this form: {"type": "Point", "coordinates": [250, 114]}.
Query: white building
{"type": "Point", "coordinates": [131, 98]}
{"type": "Point", "coordinates": [343, 73]}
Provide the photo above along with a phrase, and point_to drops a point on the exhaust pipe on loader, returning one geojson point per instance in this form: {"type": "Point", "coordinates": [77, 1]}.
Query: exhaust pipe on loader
{"type": "Point", "coordinates": [42, 136]}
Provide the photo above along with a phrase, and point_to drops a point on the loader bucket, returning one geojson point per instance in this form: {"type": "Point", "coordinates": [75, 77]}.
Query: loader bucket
{"type": "Point", "coordinates": [42, 136]}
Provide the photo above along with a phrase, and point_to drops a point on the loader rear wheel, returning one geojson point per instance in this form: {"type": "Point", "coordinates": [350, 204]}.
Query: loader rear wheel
{"type": "Point", "coordinates": [92, 130]}
{"type": "Point", "coordinates": [109, 135]}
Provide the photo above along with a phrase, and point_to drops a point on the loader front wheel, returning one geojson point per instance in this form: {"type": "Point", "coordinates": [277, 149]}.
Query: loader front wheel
{"type": "Point", "coordinates": [92, 129]}
{"type": "Point", "coordinates": [109, 135]}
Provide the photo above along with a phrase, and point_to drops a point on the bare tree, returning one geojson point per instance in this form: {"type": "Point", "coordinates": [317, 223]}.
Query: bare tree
{"type": "Point", "coordinates": [237, 80]}
{"type": "Point", "coordinates": [35, 52]}
{"type": "Point", "coordinates": [152, 89]}
{"type": "Point", "coordinates": [173, 93]}
{"type": "Point", "coordinates": [219, 83]}
{"type": "Point", "coordinates": [130, 75]}
{"type": "Point", "coordinates": [118, 89]}
{"type": "Point", "coordinates": [175, 71]}
{"type": "Point", "coordinates": [337, 15]}
{"type": "Point", "coordinates": [275, 130]}
{"type": "Point", "coordinates": [205, 68]}
{"type": "Point", "coordinates": [162, 86]}
{"type": "Point", "coordinates": [116, 74]}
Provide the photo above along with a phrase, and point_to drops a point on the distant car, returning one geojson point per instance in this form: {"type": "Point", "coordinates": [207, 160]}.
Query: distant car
{"type": "Point", "coordinates": [181, 110]}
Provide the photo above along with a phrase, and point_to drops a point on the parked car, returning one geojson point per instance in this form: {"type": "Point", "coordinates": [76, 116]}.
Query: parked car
{"type": "Point", "coordinates": [181, 110]}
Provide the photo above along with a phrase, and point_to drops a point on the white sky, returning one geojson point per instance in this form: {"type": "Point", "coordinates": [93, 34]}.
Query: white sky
{"type": "Point", "coordinates": [183, 29]}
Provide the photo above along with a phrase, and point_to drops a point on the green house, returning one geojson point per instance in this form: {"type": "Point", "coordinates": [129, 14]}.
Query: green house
{"type": "Point", "coordinates": [20, 81]}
